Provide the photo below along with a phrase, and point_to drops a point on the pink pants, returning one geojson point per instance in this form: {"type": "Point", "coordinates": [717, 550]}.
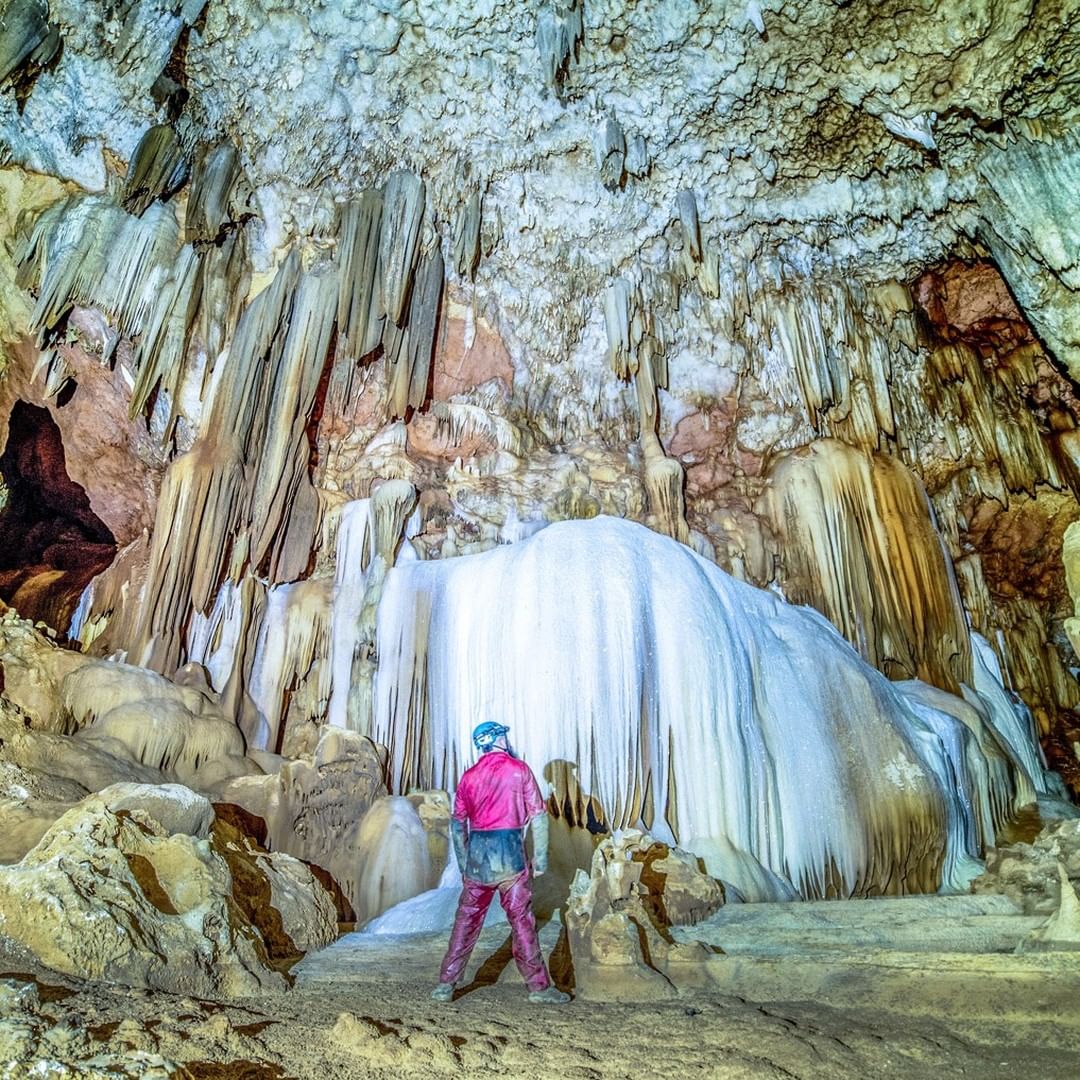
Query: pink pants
{"type": "Point", "coordinates": [516, 898]}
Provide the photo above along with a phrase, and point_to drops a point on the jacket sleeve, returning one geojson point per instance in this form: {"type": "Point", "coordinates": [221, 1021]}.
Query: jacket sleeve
{"type": "Point", "coordinates": [534, 801]}
{"type": "Point", "coordinates": [461, 801]}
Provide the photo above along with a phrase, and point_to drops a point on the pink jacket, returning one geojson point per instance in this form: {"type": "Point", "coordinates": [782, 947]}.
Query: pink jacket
{"type": "Point", "coordinates": [498, 792]}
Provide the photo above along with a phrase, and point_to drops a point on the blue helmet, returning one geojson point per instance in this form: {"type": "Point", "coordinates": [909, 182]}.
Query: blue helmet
{"type": "Point", "coordinates": [485, 734]}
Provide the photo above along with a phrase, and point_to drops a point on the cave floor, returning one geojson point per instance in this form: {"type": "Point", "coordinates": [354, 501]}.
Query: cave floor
{"type": "Point", "coordinates": [844, 1016]}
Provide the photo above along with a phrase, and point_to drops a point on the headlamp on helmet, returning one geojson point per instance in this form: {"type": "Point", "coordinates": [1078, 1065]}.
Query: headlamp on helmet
{"type": "Point", "coordinates": [485, 735]}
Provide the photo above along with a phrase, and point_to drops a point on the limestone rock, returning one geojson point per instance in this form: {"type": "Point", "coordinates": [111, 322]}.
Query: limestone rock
{"type": "Point", "coordinates": [1029, 874]}
{"type": "Point", "coordinates": [116, 898]}
{"type": "Point", "coordinates": [1062, 929]}
{"type": "Point", "coordinates": [313, 806]}
{"type": "Point", "coordinates": [619, 917]}
{"type": "Point", "coordinates": [177, 809]}
{"type": "Point", "coordinates": [277, 893]}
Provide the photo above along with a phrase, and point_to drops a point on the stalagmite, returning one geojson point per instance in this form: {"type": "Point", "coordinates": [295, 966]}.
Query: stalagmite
{"type": "Point", "coordinates": [158, 168]}
{"type": "Point", "coordinates": [1062, 929]}
{"type": "Point", "coordinates": [675, 686]}
{"type": "Point", "coordinates": [392, 850]}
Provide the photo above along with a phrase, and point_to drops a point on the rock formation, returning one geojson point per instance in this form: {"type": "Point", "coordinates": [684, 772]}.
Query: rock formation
{"type": "Point", "coordinates": [620, 914]}
{"type": "Point", "coordinates": [115, 897]}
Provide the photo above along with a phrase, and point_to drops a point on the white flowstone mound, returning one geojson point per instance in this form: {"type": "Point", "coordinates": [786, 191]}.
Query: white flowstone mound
{"type": "Point", "coordinates": [114, 897]}
{"type": "Point", "coordinates": [709, 711]}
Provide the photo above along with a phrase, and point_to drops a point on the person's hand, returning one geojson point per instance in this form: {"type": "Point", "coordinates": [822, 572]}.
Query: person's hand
{"type": "Point", "coordinates": [539, 867]}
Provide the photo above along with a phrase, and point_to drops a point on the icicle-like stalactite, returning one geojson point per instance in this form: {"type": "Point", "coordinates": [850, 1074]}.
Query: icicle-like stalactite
{"type": "Point", "coordinates": [857, 542]}
{"type": "Point", "coordinates": [158, 168]}
{"type": "Point", "coordinates": [242, 494]}
{"type": "Point", "coordinates": [219, 194]}
{"type": "Point", "coordinates": [707, 710]}
{"type": "Point", "coordinates": [27, 39]}
{"type": "Point", "coordinates": [403, 213]}
{"type": "Point", "coordinates": [87, 250]}
{"type": "Point", "coordinates": [466, 243]}
{"type": "Point", "coordinates": [1030, 225]}
{"type": "Point", "coordinates": [560, 28]}
{"type": "Point", "coordinates": [358, 258]}
{"type": "Point", "coordinates": [637, 349]}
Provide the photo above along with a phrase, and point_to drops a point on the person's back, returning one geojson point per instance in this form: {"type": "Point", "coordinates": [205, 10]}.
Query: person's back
{"type": "Point", "coordinates": [496, 799]}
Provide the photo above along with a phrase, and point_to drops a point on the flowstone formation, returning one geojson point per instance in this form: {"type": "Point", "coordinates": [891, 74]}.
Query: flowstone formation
{"type": "Point", "coordinates": [405, 367]}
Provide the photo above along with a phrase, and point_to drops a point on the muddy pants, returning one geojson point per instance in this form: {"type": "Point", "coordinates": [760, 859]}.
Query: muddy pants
{"type": "Point", "coordinates": [516, 898]}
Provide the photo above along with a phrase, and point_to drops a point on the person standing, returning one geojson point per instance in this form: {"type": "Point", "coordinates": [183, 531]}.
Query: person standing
{"type": "Point", "coordinates": [495, 801]}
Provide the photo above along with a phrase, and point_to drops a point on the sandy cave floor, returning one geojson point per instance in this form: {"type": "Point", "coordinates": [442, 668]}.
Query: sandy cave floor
{"type": "Point", "coordinates": [393, 1029]}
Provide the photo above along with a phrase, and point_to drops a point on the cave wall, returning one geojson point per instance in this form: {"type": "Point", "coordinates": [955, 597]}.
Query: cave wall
{"type": "Point", "coordinates": [794, 284]}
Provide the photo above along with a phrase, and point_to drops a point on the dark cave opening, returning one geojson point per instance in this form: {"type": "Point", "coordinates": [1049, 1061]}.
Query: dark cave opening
{"type": "Point", "coordinates": [51, 541]}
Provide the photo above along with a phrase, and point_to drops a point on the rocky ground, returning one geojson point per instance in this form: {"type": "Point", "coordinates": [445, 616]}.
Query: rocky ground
{"type": "Point", "coordinates": [372, 1018]}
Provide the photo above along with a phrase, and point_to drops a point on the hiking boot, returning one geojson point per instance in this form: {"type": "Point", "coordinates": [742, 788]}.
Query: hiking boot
{"type": "Point", "coordinates": [443, 992]}
{"type": "Point", "coordinates": [550, 995]}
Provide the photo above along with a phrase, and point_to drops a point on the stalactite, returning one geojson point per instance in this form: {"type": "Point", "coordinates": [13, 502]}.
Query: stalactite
{"type": "Point", "coordinates": [560, 28]}
{"type": "Point", "coordinates": [158, 358]}
{"type": "Point", "coordinates": [87, 250]}
{"type": "Point", "coordinates": [409, 359]}
{"type": "Point", "coordinates": [857, 542]}
{"type": "Point", "coordinates": [617, 297]}
{"type": "Point", "coordinates": [460, 421]}
{"type": "Point", "coordinates": [403, 213]}
{"type": "Point", "coordinates": [840, 343]}
{"type": "Point", "coordinates": [358, 259]}
{"type": "Point", "coordinates": [1029, 224]}
{"type": "Point", "coordinates": [242, 494]}
{"type": "Point", "coordinates": [466, 246]}
{"type": "Point", "coordinates": [218, 194]}
{"type": "Point", "coordinates": [158, 168]}
{"type": "Point", "coordinates": [637, 348]}
{"type": "Point", "coordinates": [686, 205]}
{"type": "Point", "coordinates": [27, 39]}
{"type": "Point", "coordinates": [277, 441]}
{"type": "Point", "coordinates": [610, 149]}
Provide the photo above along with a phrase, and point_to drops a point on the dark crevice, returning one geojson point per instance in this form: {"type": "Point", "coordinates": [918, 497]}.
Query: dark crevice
{"type": "Point", "coordinates": [51, 541]}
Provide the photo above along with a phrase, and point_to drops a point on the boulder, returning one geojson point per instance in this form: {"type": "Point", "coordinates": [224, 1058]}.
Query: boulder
{"type": "Point", "coordinates": [113, 897]}
{"type": "Point", "coordinates": [1028, 873]}
{"type": "Point", "coordinates": [619, 916]}
{"type": "Point", "coordinates": [177, 809]}
{"type": "Point", "coordinates": [277, 893]}
{"type": "Point", "coordinates": [312, 807]}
